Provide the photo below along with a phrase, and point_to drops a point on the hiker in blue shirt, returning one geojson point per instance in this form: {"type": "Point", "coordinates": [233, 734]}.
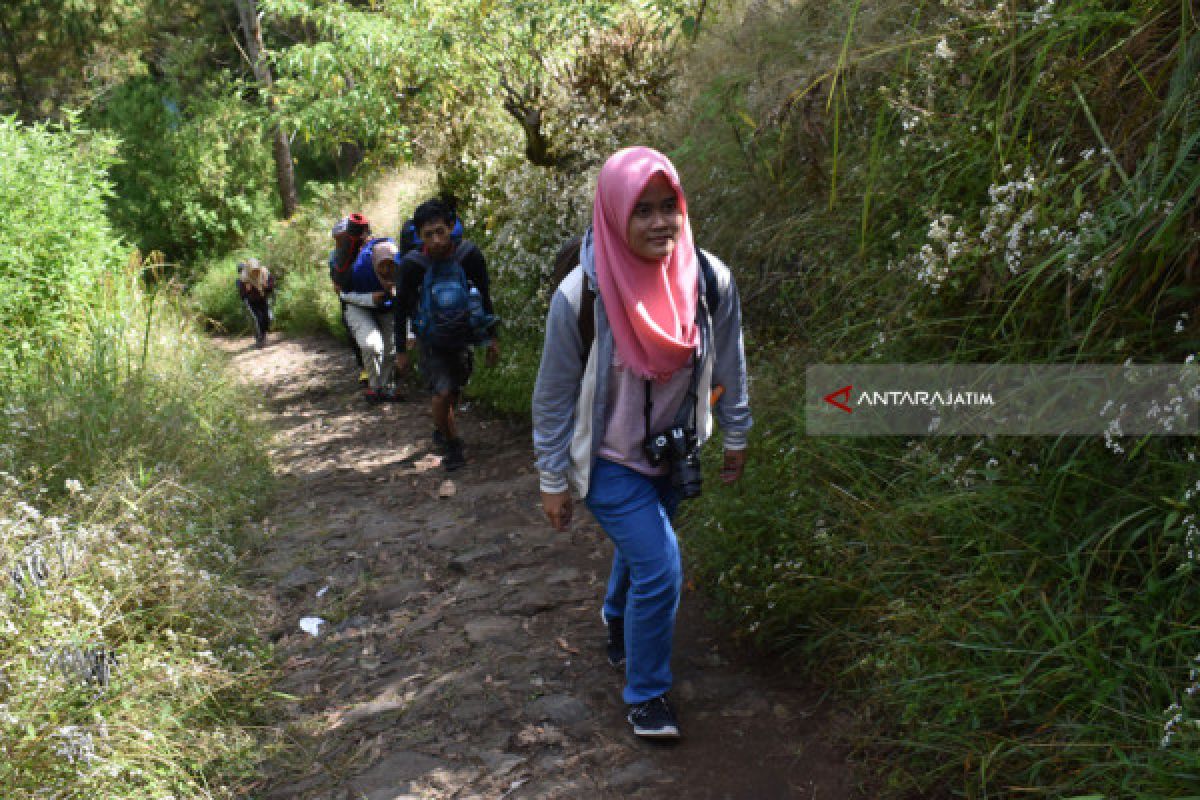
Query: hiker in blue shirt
{"type": "Point", "coordinates": [350, 234]}
{"type": "Point", "coordinates": [369, 295]}
{"type": "Point", "coordinates": [444, 289]}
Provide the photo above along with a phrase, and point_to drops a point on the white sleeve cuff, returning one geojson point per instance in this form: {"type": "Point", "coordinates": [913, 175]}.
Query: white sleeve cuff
{"type": "Point", "coordinates": [553, 482]}
{"type": "Point", "coordinates": [735, 440]}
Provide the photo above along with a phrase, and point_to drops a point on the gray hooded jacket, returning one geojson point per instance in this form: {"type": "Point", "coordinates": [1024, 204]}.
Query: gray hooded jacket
{"type": "Point", "coordinates": [570, 396]}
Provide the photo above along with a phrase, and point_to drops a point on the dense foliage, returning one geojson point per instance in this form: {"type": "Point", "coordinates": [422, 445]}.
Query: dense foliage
{"type": "Point", "coordinates": [202, 182]}
{"type": "Point", "coordinates": [965, 183]}
{"type": "Point", "coordinates": [56, 242]}
{"type": "Point", "coordinates": [129, 667]}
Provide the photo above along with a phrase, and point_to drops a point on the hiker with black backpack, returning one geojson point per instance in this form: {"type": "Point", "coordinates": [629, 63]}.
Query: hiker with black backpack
{"type": "Point", "coordinates": [349, 234]}
{"type": "Point", "coordinates": [443, 288]}
{"type": "Point", "coordinates": [643, 338]}
{"type": "Point", "coordinates": [370, 299]}
{"type": "Point", "coordinates": [256, 285]}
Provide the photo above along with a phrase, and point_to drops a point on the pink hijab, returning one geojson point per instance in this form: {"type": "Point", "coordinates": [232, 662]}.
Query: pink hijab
{"type": "Point", "coordinates": [651, 305]}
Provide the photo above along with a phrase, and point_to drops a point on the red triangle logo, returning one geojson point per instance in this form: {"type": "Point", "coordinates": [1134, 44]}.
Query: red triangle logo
{"type": "Point", "coordinates": [843, 393]}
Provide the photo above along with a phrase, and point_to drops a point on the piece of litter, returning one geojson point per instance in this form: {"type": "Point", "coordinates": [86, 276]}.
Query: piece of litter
{"type": "Point", "coordinates": [311, 625]}
{"type": "Point", "coordinates": [322, 591]}
{"type": "Point", "coordinates": [512, 787]}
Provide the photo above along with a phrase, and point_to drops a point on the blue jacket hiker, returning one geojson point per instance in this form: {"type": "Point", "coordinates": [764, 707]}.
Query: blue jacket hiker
{"type": "Point", "coordinates": [349, 234]}
{"type": "Point", "coordinates": [369, 295]}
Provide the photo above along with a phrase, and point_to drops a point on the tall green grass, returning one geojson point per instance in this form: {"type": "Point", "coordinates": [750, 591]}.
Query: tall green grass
{"type": "Point", "coordinates": [945, 184]}
{"type": "Point", "coordinates": [129, 662]}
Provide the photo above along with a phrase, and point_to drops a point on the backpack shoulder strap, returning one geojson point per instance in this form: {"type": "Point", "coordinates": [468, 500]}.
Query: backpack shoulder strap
{"type": "Point", "coordinates": [587, 317]}
{"type": "Point", "coordinates": [463, 250]}
{"type": "Point", "coordinates": [712, 292]}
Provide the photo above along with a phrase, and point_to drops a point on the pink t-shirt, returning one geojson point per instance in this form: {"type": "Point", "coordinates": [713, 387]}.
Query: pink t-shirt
{"type": "Point", "coordinates": [625, 417]}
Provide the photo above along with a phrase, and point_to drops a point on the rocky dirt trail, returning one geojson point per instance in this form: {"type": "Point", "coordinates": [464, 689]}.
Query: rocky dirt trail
{"type": "Point", "coordinates": [462, 655]}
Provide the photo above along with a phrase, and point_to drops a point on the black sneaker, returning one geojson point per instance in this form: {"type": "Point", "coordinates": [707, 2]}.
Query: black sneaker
{"type": "Point", "coordinates": [615, 648]}
{"type": "Point", "coordinates": [373, 396]}
{"type": "Point", "coordinates": [454, 458]}
{"type": "Point", "coordinates": [653, 719]}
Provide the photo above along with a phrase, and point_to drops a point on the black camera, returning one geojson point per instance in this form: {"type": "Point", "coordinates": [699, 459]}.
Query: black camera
{"type": "Point", "coordinates": [678, 447]}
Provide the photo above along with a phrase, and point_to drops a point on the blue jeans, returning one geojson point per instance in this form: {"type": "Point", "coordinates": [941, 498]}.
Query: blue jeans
{"type": "Point", "coordinates": [635, 511]}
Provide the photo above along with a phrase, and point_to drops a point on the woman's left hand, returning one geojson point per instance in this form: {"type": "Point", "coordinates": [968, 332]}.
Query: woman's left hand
{"type": "Point", "coordinates": [734, 464]}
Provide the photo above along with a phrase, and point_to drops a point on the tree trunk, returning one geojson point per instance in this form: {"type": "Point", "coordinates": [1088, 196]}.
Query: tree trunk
{"type": "Point", "coordinates": [281, 148]}
{"type": "Point", "coordinates": [24, 106]}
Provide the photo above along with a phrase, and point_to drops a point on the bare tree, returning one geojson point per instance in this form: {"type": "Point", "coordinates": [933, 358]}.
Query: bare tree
{"type": "Point", "coordinates": [251, 22]}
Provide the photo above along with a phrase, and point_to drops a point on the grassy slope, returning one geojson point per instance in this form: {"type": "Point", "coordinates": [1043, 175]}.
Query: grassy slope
{"type": "Point", "coordinates": [129, 665]}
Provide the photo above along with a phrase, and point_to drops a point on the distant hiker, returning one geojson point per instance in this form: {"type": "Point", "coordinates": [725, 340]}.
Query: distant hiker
{"type": "Point", "coordinates": [639, 336]}
{"type": "Point", "coordinates": [370, 299]}
{"type": "Point", "coordinates": [256, 286]}
{"type": "Point", "coordinates": [349, 235]}
{"type": "Point", "coordinates": [443, 288]}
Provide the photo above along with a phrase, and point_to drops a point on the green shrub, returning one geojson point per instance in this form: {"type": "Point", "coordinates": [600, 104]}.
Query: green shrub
{"type": "Point", "coordinates": [55, 243]}
{"type": "Point", "coordinates": [306, 304]}
{"type": "Point", "coordinates": [962, 185]}
{"type": "Point", "coordinates": [195, 173]}
{"type": "Point", "coordinates": [129, 662]}
{"type": "Point", "coordinates": [216, 298]}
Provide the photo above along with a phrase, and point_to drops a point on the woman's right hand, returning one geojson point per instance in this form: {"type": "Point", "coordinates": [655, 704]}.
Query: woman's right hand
{"type": "Point", "coordinates": [557, 506]}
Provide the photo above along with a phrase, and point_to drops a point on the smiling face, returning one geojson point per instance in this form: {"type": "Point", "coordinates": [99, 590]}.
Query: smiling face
{"type": "Point", "coordinates": [656, 221]}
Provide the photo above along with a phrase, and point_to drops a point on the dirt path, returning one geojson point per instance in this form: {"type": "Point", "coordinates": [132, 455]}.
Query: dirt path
{"type": "Point", "coordinates": [463, 653]}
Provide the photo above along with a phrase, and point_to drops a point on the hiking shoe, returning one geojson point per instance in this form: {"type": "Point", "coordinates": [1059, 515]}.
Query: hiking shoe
{"type": "Point", "coordinates": [653, 719]}
{"type": "Point", "coordinates": [373, 396]}
{"type": "Point", "coordinates": [439, 440]}
{"type": "Point", "coordinates": [391, 395]}
{"type": "Point", "coordinates": [454, 458]}
{"type": "Point", "coordinates": [615, 647]}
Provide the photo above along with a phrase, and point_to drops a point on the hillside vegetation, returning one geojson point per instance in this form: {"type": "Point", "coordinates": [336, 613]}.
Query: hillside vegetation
{"type": "Point", "coordinates": [129, 665]}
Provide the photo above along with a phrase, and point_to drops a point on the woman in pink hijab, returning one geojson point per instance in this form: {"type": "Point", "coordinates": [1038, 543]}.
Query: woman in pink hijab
{"type": "Point", "coordinates": [641, 335]}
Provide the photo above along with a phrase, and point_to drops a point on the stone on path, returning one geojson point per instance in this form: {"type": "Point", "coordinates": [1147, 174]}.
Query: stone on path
{"type": "Point", "coordinates": [490, 629]}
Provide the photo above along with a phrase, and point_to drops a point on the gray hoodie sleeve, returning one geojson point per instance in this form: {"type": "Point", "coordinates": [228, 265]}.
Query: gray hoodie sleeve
{"type": "Point", "coordinates": [556, 394]}
{"type": "Point", "coordinates": [729, 370]}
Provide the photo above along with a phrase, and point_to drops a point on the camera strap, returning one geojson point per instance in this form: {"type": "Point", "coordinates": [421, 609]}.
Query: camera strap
{"type": "Point", "coordinates": [687, 409]}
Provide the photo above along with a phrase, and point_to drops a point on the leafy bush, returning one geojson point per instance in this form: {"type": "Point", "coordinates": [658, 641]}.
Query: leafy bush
{"type": "Point", "coordinates": [216, 298]}
{"type": "Point", "coordinates": [129, 661]}
{"type": "Point", "coordinates": [55, 244]}
{"type": "Point", "coordinates": [195, 173]}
